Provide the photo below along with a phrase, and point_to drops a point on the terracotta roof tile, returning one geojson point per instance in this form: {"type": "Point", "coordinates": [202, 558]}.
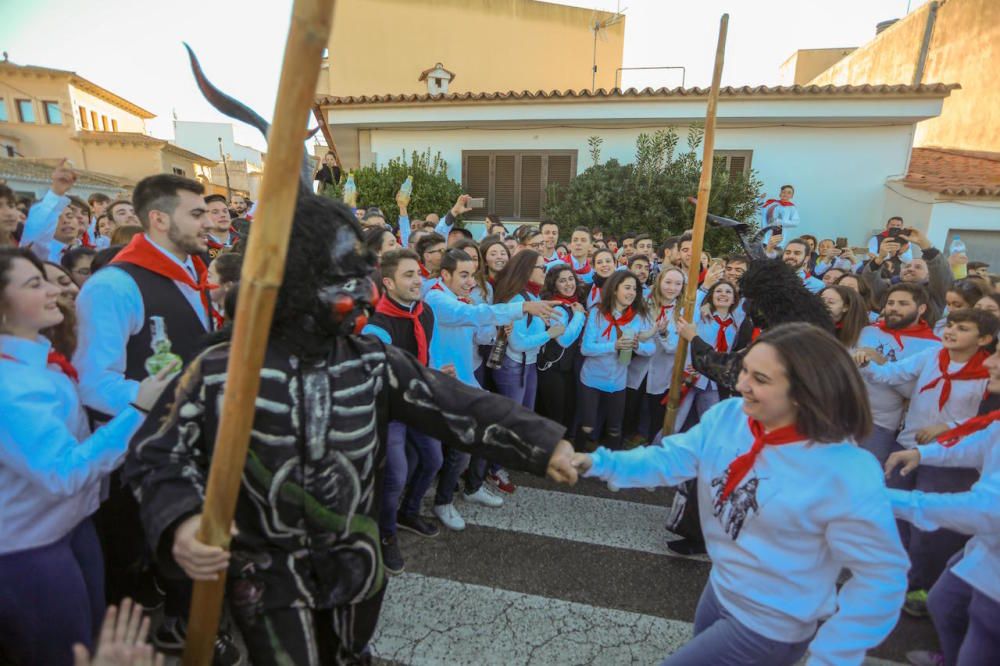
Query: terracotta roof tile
{"type": "Point", "coordinates": [954, 172]}
{"type": "Point", "coordinates": [866, 90]}
{"type": "Point", "coordinates": [40, 170]}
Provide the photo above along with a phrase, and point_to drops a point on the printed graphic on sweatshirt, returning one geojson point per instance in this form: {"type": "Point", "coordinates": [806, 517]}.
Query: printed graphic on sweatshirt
{"type": "Point", "coordinates": [735, 509]}
{"type": "Point", "coordinates": [888, 352]}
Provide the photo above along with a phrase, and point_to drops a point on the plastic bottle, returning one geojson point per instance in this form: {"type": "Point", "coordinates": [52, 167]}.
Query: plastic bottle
{"type": "Point", "coordinates": [406, 191]}
{"type": "Point", "coordinates": [625, 355]}
{"type": "Point", "coordinates": [957, 247]}
{"type": "Point", "coordinates": [350, 191]}
{"type": "Point", "coordinates": [498, 351]}
{"type": "Point", "coordinates": [160, 344]}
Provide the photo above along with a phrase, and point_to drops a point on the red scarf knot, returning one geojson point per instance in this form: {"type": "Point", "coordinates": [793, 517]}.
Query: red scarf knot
{"type": "Point", "coordinates": [595, 294]}
{"type": "Point", "coordinates": [387, 307]}
{"type": "Point", "coordinates": [533, 289]}
{"type": "Point", "coordinates": [918, 330]}
{"type": "Point", "coordinates": [617, 324]}
{"type": "Point", "coordinates": [755, 334]}
{"type": "Point", "coordinates": [565, 300]}
{"type": "Point", "coordinates": [423, 270]}
{"type": "Point", "coordinates": [770, 202]}
{"type": "Point", "coordinates": [973, 369]}
{"type": "Point", "coordinates": [583, 270]}
{"type": "Point", "coordinates": [463, 299]}
{"type": "Point", "coordinates": [721, 344]}
{"type": "Point", "coordinates": [57, 359]}
{"type": "Point", "coordinates": [741, 465]}
{"type": "Point", "coordinates": [952, 437]}
{"type": "Point", "coordinates": [664, 309]}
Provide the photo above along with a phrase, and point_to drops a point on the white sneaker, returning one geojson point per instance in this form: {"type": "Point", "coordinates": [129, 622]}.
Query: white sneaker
{"type": "Point", "coordinates": [484, 497]}
{"type": "Point", "coordinates": [449, 517]}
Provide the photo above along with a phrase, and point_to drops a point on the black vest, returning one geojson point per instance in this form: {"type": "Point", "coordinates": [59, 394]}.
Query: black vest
{"type": "Point", "coordinates": [401, 330]}
{"type": "Point", "coordinates": [161, 297]}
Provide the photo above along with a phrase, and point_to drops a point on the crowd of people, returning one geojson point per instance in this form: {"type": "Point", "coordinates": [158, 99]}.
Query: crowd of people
{"type": "Point", "coordinates": [535, 348]}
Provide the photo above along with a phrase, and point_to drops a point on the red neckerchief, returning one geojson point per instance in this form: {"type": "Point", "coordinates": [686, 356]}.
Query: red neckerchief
{"type": "Point", "coordinates": [85, 240]}
{"type": "Point", "coordinates": [389, 309]}
{"type": "Point", "coordinates": [839, 326]}
{"type": "Point", "coordinates": [617, 324]}
{"type": "Point", "coordinates": [57, 359]}
{"type": "Point", "coordinates": [918, 330]}
{"type": "Point", "coordinates": [583, 270]}
{"type": "Point", "coordinates": [437, 287]}
{"type": "Point", "coordinates": [702, 274]}
{"type": "Point", "coordinates": [218, 319]}
{"type": "Point", "coordinates": [973, 369]}
{"type": "Point", "coordinates": [216, 245]}
{"type": "Point", "coordinates": [721, 344]}
{"type": "Point", "coordinates": [533, 289]}
{"type": "Point", "coordinates": [951, 437]}
{"type": "Point", "coordinates": [595, 294]}
{"type": "Point", "coordinates": [565, 300]}
{"type": "Point", "coordinates": [141, 252]}
{"type": "Point", "coordinates": [777, 201]}
{"type": "Point", "coordinates": [423, 270]}
{"type": "Point", "coordinates": [742, 465]}
{"type": "Point", "coordinates": [755, 333]}
{"type": "Point", "coordinates": [687, 381]}
{"type": "Point", "coordinates": [664, 309]}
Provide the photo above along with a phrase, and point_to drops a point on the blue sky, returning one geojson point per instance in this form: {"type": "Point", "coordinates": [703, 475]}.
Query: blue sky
{"type": "Point", "coordinates": [133, 47]}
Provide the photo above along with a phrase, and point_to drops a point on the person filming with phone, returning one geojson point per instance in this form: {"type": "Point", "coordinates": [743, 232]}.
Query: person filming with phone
{"type": "Point", "coordinates": [893, 231]}
{"type": "Point", "coordinates": [931, 269]}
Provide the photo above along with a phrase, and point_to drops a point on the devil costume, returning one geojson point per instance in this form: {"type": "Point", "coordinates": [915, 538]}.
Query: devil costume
{"type": "Point", "coordinates": [306, 578]}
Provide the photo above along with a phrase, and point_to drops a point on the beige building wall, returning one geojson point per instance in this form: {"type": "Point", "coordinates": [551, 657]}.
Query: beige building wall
{"type": "Point", "coordinates": [382, 46]}
{"type": "Point", "coordinates": [127, 122]}
{"type": "Point", "coordinates": [964, 48]}
{"type": "Point", "coordinates": [806, 64]}
{"type": "Point", "coordinates": [127, 160]}
{"type": "Point", "coordinates": [38, 139]}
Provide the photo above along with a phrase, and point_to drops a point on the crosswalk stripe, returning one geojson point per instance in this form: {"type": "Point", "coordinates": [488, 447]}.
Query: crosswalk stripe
{"type": "Point", "coordinates": [429, 621]}
{"type": "Point", "coordinates": [574, 517]}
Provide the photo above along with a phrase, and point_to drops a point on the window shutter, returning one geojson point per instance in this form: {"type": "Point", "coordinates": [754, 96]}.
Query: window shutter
{"type": "Point", "coordinates": [737, 166]}
{"type": "Point", "coordinates": [477, 179]}
{"type": "Point", "coordinates": [531, 186]}
{"type": "Point", "coordinates": [503, 186]}
{"type": "Point", "coordinates": [560, 167]}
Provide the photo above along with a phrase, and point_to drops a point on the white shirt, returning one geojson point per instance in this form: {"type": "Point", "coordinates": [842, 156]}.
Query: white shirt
{"type": "Point", "coordinates": [975, 512]}
{"type": "Point", "coordinates": [40, 227]}
{"type": "Point", "coordinates": [963, 403]}
{"type": "Point", "coordinates": [803, 512]}
{"type": "Point", "coordinates": [51, 467]}
{"type": "Point", "coordinates": [109, 311]}
{"type": "Point", "coordinates": [527, 339]}
{"type": "Point", "coordinates": [887, 401]}
{"type": "Point", "coordinates": [601, 369]}
{"type": "Point", "coordinates": [708, 330]}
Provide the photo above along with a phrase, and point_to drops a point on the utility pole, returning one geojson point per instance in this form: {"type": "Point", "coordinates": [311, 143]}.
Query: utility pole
{"type": "Point", "coordinates": [225, 168]}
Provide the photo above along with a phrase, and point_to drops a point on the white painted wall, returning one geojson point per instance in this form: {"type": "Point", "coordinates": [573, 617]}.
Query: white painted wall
{"type": "Point", "coordinates": [203, 138]}
{"type": "Point", "coordinates": [839, 173]}
{"type": "Point", "coordinates": [126, 121]}
{"type": "Point", "coordinates": [940, 218]}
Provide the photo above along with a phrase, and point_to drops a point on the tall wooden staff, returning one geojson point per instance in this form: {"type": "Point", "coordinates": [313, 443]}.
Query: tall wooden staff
{"type": "Point", "coordinates": [698, 233]}
{"type": "Point", "coordinates": [260, 279]}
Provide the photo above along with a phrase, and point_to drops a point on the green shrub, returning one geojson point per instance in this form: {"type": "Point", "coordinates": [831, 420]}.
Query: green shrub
{"type": "Point", "coordinates": [433, 190]}
{"type": "Point", "coordinates": [650, 195]}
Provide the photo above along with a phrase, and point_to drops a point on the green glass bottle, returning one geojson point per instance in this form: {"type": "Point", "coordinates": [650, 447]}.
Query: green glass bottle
{"type": "Point", "coordinates": [160, 344]}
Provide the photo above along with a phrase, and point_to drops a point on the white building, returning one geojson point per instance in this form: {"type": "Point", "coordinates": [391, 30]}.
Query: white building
{"type": "Point", "coordinates": [840, 146]}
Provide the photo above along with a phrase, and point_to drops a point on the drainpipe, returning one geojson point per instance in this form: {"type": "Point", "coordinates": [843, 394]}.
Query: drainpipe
{"type": "Point", "coordinates": [918, 73]}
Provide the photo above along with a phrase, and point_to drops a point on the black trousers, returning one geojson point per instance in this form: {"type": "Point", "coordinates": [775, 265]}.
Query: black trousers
{"type": "Point", "coordinates": [599, 409]}
{"type": "Point", "coordinates": [306, 637]}
{"type": "Point", "coordinates": [556, 396]}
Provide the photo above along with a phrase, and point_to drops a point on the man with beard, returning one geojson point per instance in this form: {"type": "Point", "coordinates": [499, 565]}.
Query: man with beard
{"type": "Point", "coordinates": [306, 573]}
{"type": "Point", "coordinates": [930, 270]}
{"type": "Point", "coordinates": [239, 206]}
{"type": "Point", "coordinates": [158, 276]}
{"type": "Point", "coordinates": [221, 237]}
{"type": "Point", "coordinates": [797, 255]}
{"type": "Point", "coordinates": [903, 331]}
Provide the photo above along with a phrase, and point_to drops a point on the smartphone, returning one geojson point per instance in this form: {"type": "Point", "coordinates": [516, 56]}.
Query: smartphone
{"type": "Point", "coordinates": [477, 202]}
{"type": "Point", "coordinates": [895, 232]}
{"type": "Point", "coordinates": [841, 242]}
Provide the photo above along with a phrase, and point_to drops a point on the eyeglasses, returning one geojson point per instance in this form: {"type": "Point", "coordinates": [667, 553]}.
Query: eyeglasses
{"type": "Point", "coordinates": [540, 268]}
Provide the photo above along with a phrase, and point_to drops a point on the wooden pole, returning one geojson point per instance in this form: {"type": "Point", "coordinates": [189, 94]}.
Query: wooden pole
{"type": "Point", "coordinates": [260, 280]}
{"type": "Point", "coordinates": [698, 232]}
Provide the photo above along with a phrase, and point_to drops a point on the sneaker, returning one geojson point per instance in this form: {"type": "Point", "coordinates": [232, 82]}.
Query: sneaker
{"type": "Point", "coordinates": [916, 603]}
{"type": "Point", "coordinates": [227, 653]}
{"type": "Point", "coordinates": [925, 658]}
{"type": "Point", "coordinates": [686, 547]}
{"type": "Point", "coordinates": [169, 637]}
{"type": "Point", "coordinates": [392, 558]}
{"type": "Point", "coordinates": [417, 525]}
{"type": "Point", "coordinates": [484, 497]}
{"type": "Point", "coordinates": [501, 481]}
{"type": "Point", "coordinates": [449, 517]}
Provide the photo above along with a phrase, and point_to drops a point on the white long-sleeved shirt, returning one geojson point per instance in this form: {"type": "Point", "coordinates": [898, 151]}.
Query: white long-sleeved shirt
{"type": "Point", "coordinates": [963, 403]}
{"type": "Point", "coordinates": [586, 277]}
{"type": "Point", "coordinates": [975, 512]}
{"type": "Point", "coordinates": [455, 325]}
{"type": "Point", "coordinates": [708, 330]}
{"type": "Point", "coordinates": [887, 401]}
{"type": "Point", "coordinates": [51, 467]}
{"type": "Point", "coordinates": [661, 366]}
{"type": "Point", "coordinates": [40, 227]}
{"type": "Point", "coordinates": [527, 339]}
{"type": "Point", "coordinates": [779, 543]}
{"type": "Point", "coordinates": [601, 369]}
{"type": "Point", "coordinates": [109, 311]}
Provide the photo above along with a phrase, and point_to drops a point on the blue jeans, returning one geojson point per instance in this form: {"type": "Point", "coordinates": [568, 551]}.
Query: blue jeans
{"type": "Point", "coordinates": [455, 462]}
{"type": "Point", "coordinates": [965, 620]}
{"type": "Point", "coordinates": [52, 597]}
{"type": "Point", "coordinates": [426, 459]}
{"type": "Point", "coordinates": [720, 639]}
{"type": "Point", "coordinates": [880, 443]}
